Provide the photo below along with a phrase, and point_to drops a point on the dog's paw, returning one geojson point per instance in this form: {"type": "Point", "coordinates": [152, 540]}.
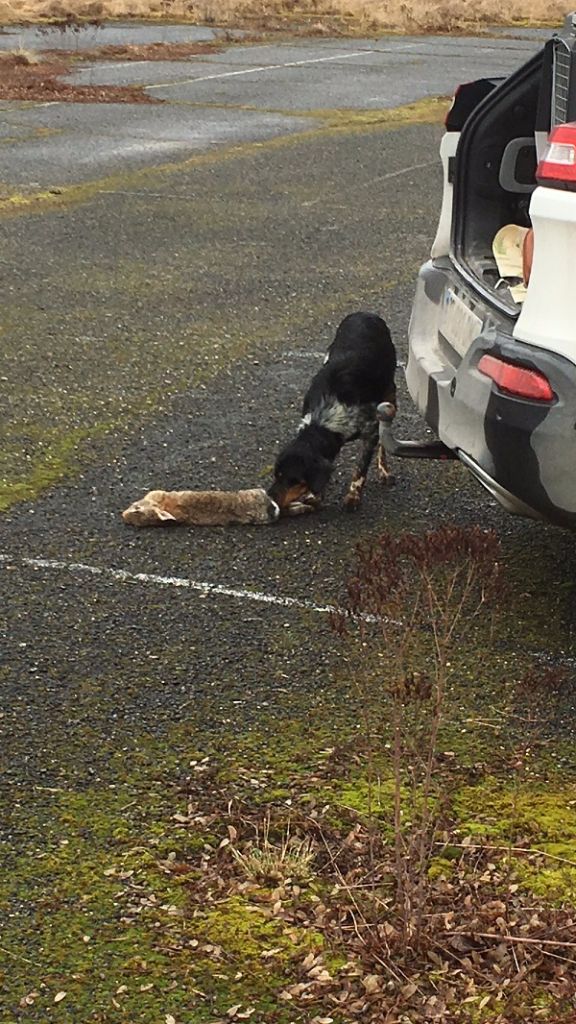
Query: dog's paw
{"type": "Point", "coordinates": [298, 508]}
{"type": "Point", "coordinates": [352, 501]}
{"type": "Point", "coordinates": [354, 496]}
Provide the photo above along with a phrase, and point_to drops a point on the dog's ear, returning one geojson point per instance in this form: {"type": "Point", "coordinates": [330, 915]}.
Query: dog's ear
{"type": "Point", "coordinates": [319, 476]}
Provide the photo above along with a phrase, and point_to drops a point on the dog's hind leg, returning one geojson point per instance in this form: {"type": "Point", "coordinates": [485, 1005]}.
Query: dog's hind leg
{"type": "Point", "coordinates": [382, 468]}
{"type": "Point", "coordinates": [354, 495]}
{"type": "Point", "coordinates": [384, 474]}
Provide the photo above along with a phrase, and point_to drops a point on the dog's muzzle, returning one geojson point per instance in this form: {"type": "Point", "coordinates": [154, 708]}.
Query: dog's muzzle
{"type": "Point", "coordinates": [285, 496]}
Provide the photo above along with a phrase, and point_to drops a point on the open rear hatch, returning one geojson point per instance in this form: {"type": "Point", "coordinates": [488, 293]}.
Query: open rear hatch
{"type": "Point", "coordinates": [495, 175]}
{"type": "Point", "coordinates": [496, 162]}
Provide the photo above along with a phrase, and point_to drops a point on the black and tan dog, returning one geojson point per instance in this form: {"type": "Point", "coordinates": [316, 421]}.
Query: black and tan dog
{"type": "Point", "coordinates": [340, 406]}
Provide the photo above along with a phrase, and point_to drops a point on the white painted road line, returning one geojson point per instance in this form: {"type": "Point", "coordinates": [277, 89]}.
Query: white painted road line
{"type": "Point", "coordinates": [266, 67]}
{"type": "Point", "coordinates": [398, 174]}
{"type": "Point", "coordinates": [326, 190]}
{"type": "Point", "coordinates": [180, 582]}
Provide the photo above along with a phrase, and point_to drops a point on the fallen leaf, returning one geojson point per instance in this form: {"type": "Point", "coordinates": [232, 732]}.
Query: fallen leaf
{"type": "Point", "coordinates": [170, 1019]}
{"type": "Point", "coordinates": [372, 983]}
{"type": "Point", "coordinates": [29, 999]}
{"type": "Point", "coordinates": [59, 997]}
{"type": "Point", "coordinates": [319, 973]}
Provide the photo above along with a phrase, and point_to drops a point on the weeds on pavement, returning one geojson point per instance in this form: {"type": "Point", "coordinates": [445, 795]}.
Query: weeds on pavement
{"type": "Point", "coordinates": [417, 902]}
{"type": "Point", "coordinates": [411, 600]}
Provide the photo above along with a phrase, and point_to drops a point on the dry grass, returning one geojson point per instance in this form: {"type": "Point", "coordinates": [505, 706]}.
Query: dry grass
{"type": "Point", "coordinates": [264, 860]}
{"type": "Point", "coordinates": [21, 56]}
{"type": "Point", "coordinates": [343, 15]}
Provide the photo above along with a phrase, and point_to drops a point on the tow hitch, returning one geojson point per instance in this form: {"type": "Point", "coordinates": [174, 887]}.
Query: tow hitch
{"type": "Point", "coordinates": [407, 449]}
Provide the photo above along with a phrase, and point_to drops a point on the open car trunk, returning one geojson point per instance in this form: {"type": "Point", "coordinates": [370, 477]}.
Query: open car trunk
{"type": "Point", "coordinates": [495, 174]}
{"type": "Point", "coordinates": [498, 151]}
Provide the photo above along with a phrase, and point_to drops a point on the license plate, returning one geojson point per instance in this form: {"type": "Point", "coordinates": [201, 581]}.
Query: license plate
{"type": "Point", "coordinates": [457, 323]}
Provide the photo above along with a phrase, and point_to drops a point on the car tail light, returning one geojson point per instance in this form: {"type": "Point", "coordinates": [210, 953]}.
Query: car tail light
{"type": "Point", "coordinates": [516, 380]}
{"type": "Point", "coordinates": [557, 167]}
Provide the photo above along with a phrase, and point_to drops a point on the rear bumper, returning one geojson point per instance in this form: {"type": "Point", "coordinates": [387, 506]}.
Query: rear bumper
{"type": "Point", "coordinates": [523, 452]}
{"type": "Point", "coordinates": [508, 501]}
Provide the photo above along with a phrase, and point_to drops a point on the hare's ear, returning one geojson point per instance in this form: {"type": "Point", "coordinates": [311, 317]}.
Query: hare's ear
{"type": "Point", "coordinates": [164, 515]}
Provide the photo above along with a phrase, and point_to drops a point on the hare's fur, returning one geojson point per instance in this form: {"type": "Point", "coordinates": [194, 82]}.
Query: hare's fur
{"type": "Point", "coordinates": [201, 508]}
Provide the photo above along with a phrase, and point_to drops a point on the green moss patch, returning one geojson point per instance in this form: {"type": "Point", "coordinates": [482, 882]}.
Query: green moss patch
{"type": "Point", "coordinates": [508, 812]}
{"type": "Point", "coordinates": [127, 898]}
{"type": "Point", "coordinates": [56, 456]}
{"type": "Point", "coordinates": [107, 893]}
{"type": "Point", "coordinates": [539, 818]}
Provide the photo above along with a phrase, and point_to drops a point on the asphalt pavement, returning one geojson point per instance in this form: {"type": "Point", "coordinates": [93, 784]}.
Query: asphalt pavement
{"type": "Point", "coordinates": [171, 276]}
{"type": "Point", "coordinates": [242, 93]}
{"type": "Point", "coordinates": [159, 331]}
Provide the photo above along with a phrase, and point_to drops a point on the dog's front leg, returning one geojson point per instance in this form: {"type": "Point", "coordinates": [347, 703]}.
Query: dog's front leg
{"type": "Point", "coordinates": [369, 443]}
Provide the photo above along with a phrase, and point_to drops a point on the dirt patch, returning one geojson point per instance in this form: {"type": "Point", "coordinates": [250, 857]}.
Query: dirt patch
{"type": "Point", "coordinates": [23, 77]}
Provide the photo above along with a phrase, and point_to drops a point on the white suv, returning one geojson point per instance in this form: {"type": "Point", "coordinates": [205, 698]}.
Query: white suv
{"type": "Point", "coordinates": [492, 340]}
